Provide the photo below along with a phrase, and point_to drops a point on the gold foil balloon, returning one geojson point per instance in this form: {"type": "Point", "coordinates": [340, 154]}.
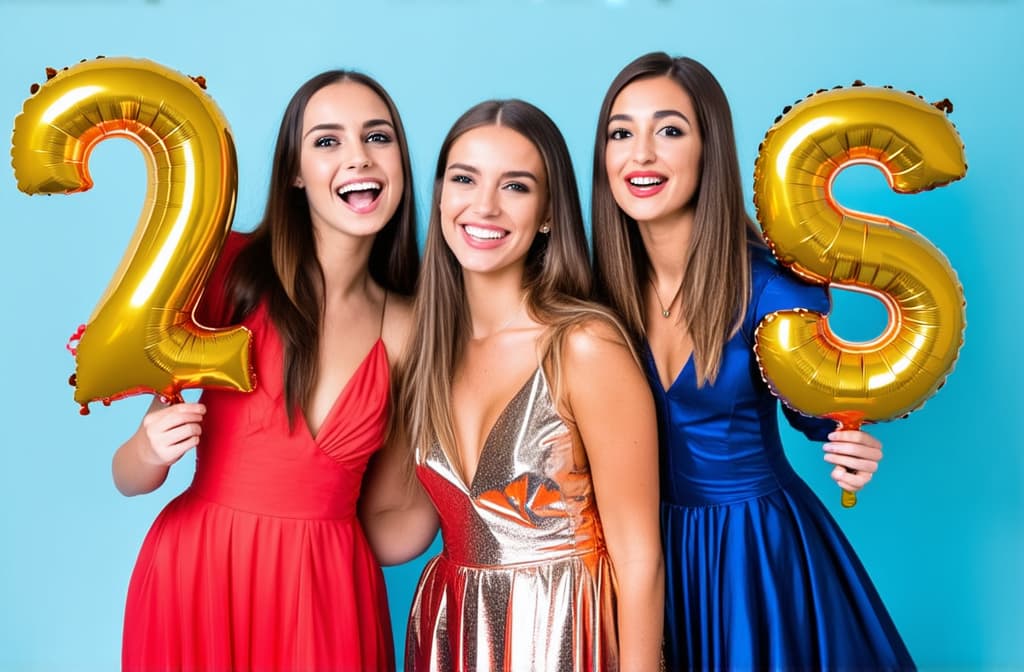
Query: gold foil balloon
{"type": "Point", "coordinates": [141, 336]}
{"type": "Point", "coordinates": [917, 148]}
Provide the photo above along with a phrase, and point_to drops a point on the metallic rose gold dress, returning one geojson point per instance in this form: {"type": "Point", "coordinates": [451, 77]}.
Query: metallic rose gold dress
{"type": "Point", "coordinates": [524, 581]}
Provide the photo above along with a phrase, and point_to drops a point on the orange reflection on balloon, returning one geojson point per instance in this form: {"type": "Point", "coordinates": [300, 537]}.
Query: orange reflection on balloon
{"type": "Point", "coordinates": [808, 366]}
{"type": "Point", "coordinates": [142, 336]}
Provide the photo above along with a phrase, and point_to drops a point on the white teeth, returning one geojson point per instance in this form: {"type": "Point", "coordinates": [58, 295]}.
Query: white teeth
{"type": "Point", "coordinates": [645, 181]}
{"type": "Point", "coordinates": [482, 233]}
{"type": "Point", "coordinates": [359, 186]}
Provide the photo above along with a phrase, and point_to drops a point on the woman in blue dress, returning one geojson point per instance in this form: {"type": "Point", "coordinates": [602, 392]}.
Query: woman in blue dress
{"type": "Point", "coordinates": [758, 574]}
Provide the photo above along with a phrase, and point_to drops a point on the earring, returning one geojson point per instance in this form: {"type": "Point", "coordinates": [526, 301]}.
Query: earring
{"type": "Point", "coordinates": [545, 228]}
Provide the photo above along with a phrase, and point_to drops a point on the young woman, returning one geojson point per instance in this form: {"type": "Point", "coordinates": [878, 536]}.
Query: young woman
{"type": "Point", "coordinates": [533, 429]}
{"type": "Point", "coordinates": [758, 575]}
{"type": "Point", "coordinates": [262, 564]}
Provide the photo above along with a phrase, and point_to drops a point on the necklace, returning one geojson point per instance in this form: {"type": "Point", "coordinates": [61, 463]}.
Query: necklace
{"type": "Point", "coordinates": [666, 311]}
{"type": "Point", "coordinates": [511, 319]}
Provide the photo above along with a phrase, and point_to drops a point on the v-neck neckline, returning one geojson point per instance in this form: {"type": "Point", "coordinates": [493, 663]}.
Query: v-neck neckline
{"type": "Point", "coordinates": [341, 394]}
{"type": "Point", "coordinates": [657, 373]}
{"type": "Point", "coordinates": [489, 436]}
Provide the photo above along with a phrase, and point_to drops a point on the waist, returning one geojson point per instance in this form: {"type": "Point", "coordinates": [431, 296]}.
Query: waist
{"type": "Point", "coordinates": [283, 495]}
{"type": "Point", "coordinates": [491, 543]}
{"type": "Point", "coordinates": [728, 484]}
{"type": "Point", "coordinates": [524, 560]}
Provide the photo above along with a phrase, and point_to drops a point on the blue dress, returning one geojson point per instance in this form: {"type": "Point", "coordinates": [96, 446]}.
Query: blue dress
{"type": "Point", "coordinates": [758, 574]}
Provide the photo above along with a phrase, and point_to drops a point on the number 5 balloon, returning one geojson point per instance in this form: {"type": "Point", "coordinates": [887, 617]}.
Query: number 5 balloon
{"type": "Point", "coordinates": [141, 336]}
{"type": "Point", "coordinates": [917, 148]}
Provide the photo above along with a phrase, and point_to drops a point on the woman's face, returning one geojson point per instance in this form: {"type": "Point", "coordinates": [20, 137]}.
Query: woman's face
{"type": "Point", "coordinates": [350, 164]}
{"type": "Point", "coordinates": [653, 150]}
{"type": "Point", "coordinates": [494, 198]}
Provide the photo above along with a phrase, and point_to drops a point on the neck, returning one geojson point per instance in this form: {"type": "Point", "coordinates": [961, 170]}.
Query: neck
{"type": "Point", "coordinates": [345, 263]}
{"type": "Point", "coordinates": [495, 301]}
{"type": "Point", "coordinates": [667, 242]}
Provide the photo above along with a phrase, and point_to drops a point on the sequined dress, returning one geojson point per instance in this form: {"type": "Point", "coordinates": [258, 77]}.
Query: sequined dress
{"type": "Point", "coordinates": [524, 581]}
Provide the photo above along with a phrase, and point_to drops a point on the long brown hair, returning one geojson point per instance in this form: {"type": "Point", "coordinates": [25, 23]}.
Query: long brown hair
{"type": "Point", "coordinates": [716, 281]}
{"type": "Point", "coordinates": [557, 278]}
{"type": "Point", "coordinates": [280, 265]}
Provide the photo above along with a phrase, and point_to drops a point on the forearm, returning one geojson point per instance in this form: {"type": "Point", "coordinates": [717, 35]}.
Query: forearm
{"type": "Point", "coordinates": [132, 474]}
{"type": "Point", "coordinates": [641, 613]}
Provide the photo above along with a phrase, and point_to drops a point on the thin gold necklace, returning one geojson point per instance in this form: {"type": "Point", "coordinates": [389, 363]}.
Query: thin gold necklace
{"type": "Point", "coordinates": [666, 311]}
{"type": "Point", "coordinates": [509, 321]}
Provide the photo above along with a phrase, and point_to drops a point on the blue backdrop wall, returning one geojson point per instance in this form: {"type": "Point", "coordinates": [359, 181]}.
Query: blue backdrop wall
{"type": "Point", "coordinates": [940, 527]}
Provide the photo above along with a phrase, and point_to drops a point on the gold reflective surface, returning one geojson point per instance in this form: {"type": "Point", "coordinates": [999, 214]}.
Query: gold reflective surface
{"type": "Point", "coordinates": [917, 148]}
{"type": "Point", "coordinates": [141, 336]}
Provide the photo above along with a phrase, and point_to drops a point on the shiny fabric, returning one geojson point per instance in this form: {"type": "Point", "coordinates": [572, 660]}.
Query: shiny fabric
{"type": "Point", "coordinates": [758, 574]}
{"type": "Point", "coordinates": [524, 581]}
{"type": "Point", "coordinates": [261, 564]}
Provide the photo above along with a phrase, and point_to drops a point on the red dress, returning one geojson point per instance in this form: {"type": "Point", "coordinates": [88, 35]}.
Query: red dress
{"type": "Point", "coordinates": [261, 564]}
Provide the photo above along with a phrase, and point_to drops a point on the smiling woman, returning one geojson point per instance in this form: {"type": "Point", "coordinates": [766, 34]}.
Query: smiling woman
{"type": "Point", "coordinates": [758, 574]}
{"type": "Point", "coordinates": [544, 482]}
{"type": "Point", "coordinates": [261, 564]}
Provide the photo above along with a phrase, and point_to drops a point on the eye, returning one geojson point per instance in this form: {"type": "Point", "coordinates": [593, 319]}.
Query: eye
{"type": "Point", "coordinates": [671, 131]}
{"type": "Point", "coordinates": [619, 134]}
{"type": "Point", "coordinates": [325, 141]}
{"type": "Point", "coordinates": [517, 186]}
{"type": "Point", "coordinates": [460, 178]}
{"type": "Point", "coordinates": [378, 137]}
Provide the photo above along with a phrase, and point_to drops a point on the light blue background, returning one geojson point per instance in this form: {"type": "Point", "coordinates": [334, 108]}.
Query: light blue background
{"type": "Point", "coordinates": [940, 528]}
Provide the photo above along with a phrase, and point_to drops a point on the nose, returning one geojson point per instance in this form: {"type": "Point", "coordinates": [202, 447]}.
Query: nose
{"type": "Point", "coordinates": [485, 202]}
{"type": "Point", "coordinates": [357, 156]}
{"type": "Point", "coordinates": [643, 149]}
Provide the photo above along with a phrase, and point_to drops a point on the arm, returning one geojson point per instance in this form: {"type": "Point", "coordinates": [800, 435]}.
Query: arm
{"type": "Point", "coordinates": [166, 433]}
{"type": "Point", "coordinates": [854, 454]}
{"type": "Point", "coordinates": [398, 517]}
{"type": "Point", "coordinates": [613, 411]}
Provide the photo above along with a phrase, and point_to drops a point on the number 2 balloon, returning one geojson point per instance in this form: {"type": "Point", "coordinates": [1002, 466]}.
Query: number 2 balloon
{"type": "Point", "coordinates": [142, 336]}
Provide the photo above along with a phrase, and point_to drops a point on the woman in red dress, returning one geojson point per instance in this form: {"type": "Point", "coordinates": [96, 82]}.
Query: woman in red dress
{"type": "Point", "coordinates": [261, 564]}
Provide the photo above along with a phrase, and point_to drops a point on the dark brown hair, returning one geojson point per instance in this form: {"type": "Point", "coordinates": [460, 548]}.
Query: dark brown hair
{"type": "Point", "coordinates": [280, 263]}
{"type": "Point", "coordinates": [557, 277]}
{"type": "Point", "coordinates": [716, 280]}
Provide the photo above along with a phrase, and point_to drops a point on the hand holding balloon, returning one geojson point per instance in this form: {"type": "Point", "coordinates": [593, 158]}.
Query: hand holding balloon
{"type": "Point", "coordinates": [141, 337]}
{"type": "Point", "coordinates": [856, 455]}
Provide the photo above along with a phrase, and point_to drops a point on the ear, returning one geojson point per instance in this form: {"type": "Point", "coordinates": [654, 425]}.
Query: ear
{"type": "Point", "coordinates": [299, 184]}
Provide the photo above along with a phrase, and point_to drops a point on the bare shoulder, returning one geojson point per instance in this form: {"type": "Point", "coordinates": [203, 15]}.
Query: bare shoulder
{"type": "Point", "coordinates": [398, 320]}
{"type": "Point", "coordinates": [595, 340]}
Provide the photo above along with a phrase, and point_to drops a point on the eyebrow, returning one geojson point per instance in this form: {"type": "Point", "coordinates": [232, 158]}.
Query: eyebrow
{"type": "Point", "coordinates": [659, 114]}
{"type": "Point", "coordinates": [369, 123]}
{"type": "Point", "coordinates": [518, 174]}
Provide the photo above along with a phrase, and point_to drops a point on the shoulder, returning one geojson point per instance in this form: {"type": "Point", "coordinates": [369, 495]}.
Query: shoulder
{"type": "Point", "coordinates": [398, 321]}
{"type": "Point", "coordinates": [213, 308]}
{"type": "Point", "coordinates": [774, 287]}
{"type": "Point", "coordinates": [595, 341]}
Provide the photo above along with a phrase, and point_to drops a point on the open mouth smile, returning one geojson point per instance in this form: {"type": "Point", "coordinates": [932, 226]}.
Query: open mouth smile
{"type": "Point", "coordinates": [361, 196]}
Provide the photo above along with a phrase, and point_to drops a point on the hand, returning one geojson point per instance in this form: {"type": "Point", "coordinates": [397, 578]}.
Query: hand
{"type": "Point", "coordinates": [168, 433]}
{"type": "Point", "coordinates": [856, 455]}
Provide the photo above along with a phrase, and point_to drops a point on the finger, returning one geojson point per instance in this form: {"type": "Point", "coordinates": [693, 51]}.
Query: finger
{"type": "Point", "coordinates": [174, 416]}
{"type": "Point", "coordinates": [855, 436]}
{"type": "Point", "coordinates": [849, 481]}
{"type": "Point", "coordinates": [852, 463]}
{"type": "Point", "coordinates": [857, 450]}
{"type": "Point", "coordinates": [183, 433]}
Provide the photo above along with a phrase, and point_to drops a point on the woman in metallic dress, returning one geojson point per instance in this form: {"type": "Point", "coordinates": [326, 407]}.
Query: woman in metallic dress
{"type": "Point", "coordinates": [532, 428]}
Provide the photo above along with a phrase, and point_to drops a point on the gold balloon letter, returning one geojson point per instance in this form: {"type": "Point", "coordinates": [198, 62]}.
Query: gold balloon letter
{"type": "Point", "coordinates": [917, 148]}
{"type": "Point", "coordinates": [141, 336]}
